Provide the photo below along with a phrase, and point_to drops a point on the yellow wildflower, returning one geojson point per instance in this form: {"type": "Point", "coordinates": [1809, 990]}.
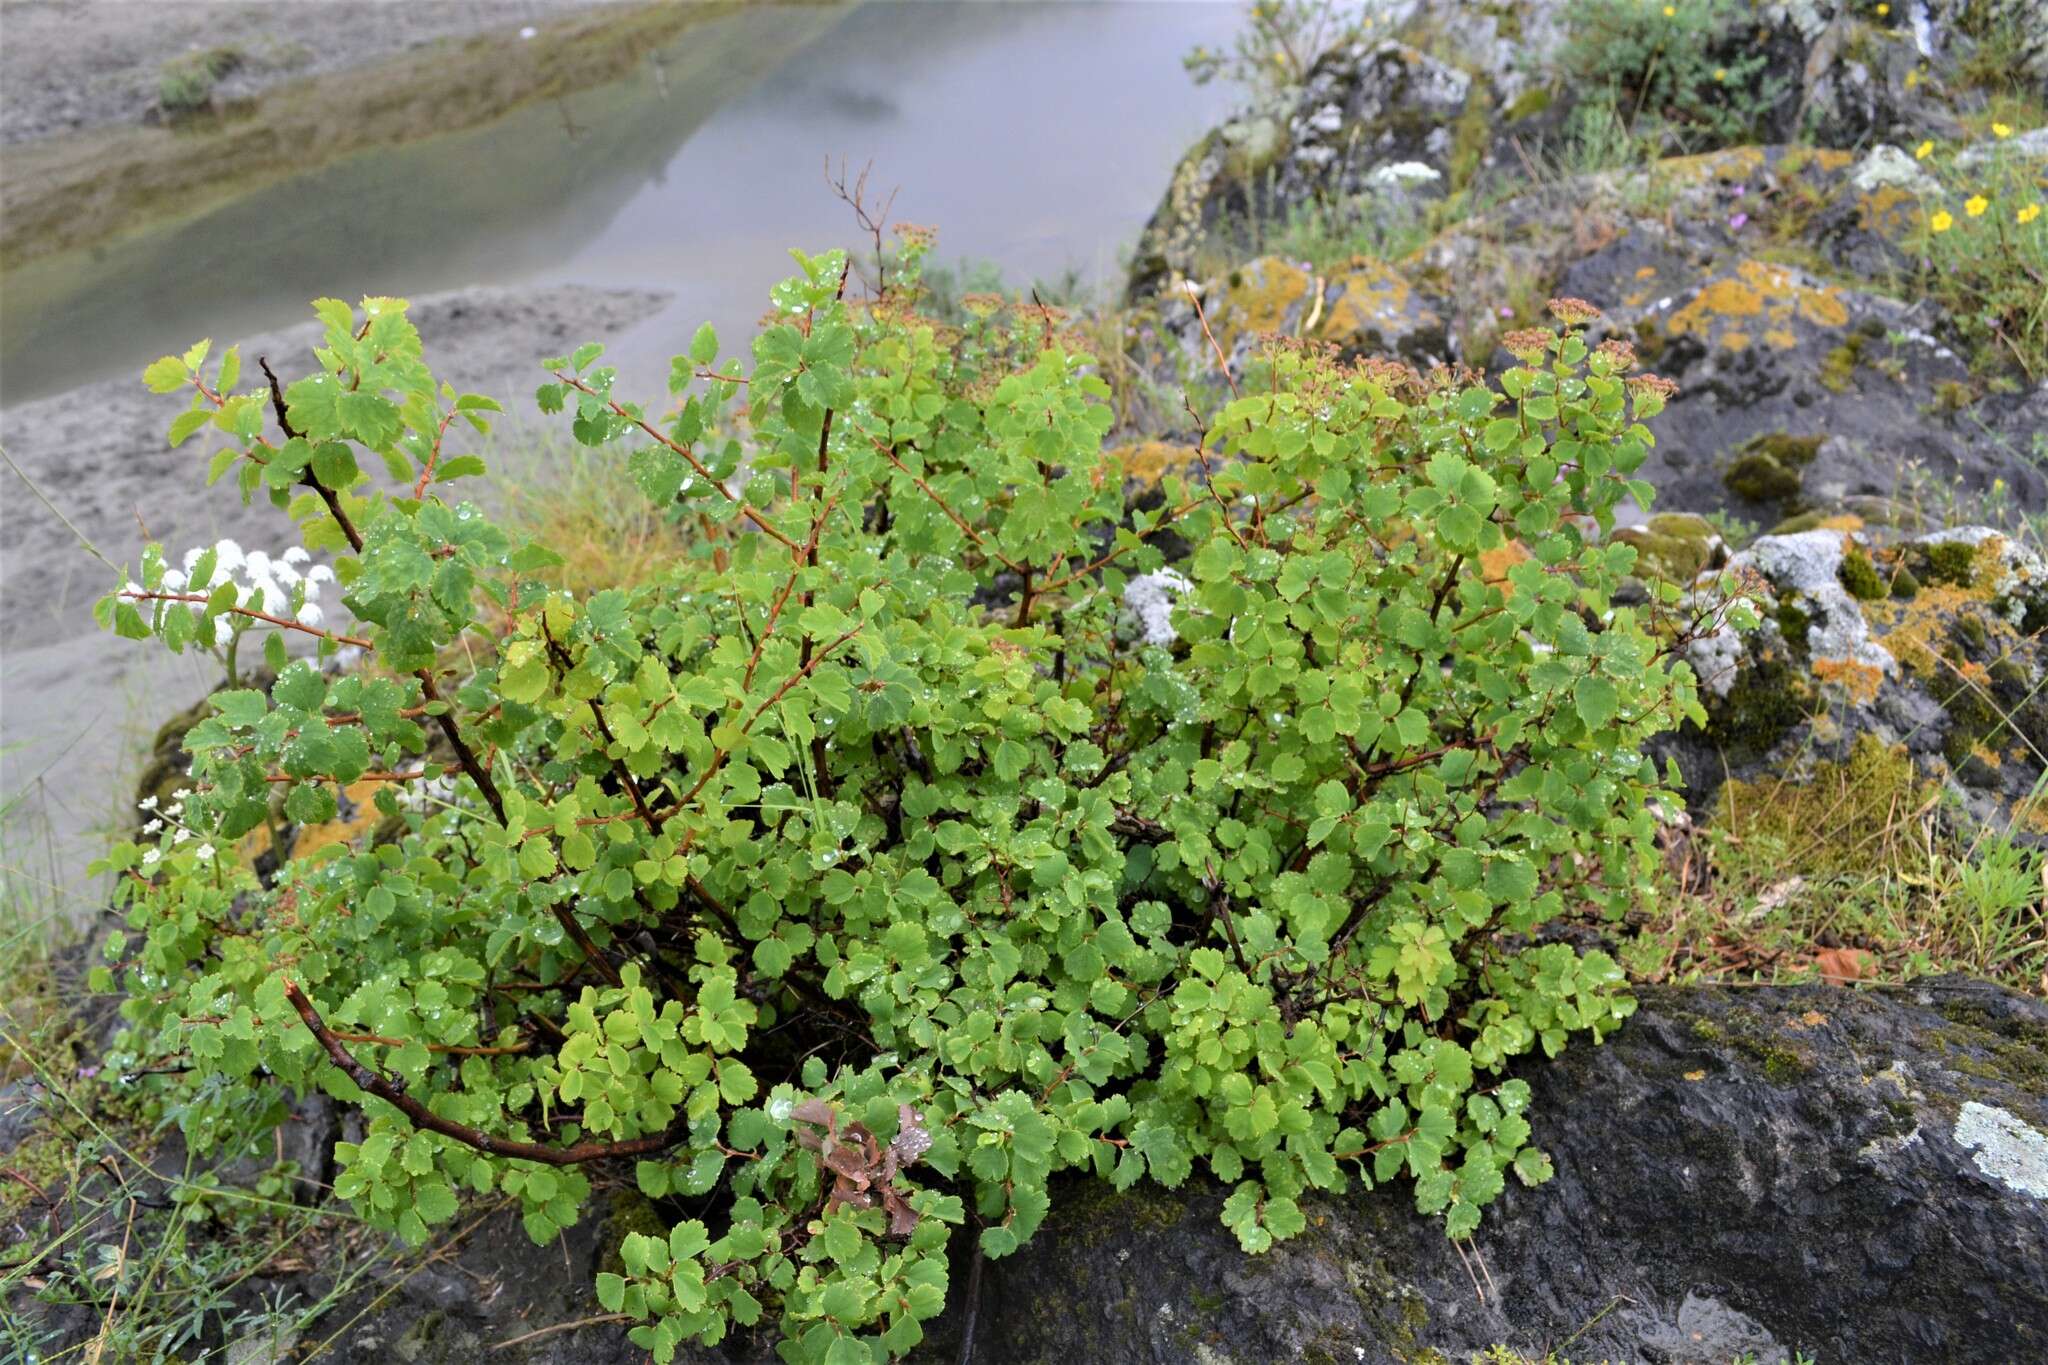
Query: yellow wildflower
{"type": "Point", "coordinates": [2001, 130]}
{"type": "Point", "coordinates": [1941, 222]}
{"type": "Point", "coordinates": [1671, 11]}
{"type": "Point", "coordinates": [1883, 10]}
{"type": "Point", "coordinates": [1975, 205]}
{"type": "Point", "coordinates": [1924, 150]}
{"type": "Point", "coordinates": [1912, 78]}
{"type": "Point", "coordinates": [1720, 73]}
{"type": "Point", "coordinates": [2027, 214]}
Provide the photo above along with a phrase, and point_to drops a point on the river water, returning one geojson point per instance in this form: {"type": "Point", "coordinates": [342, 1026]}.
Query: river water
{"type": "Point", "coordinates": [1035, 135]}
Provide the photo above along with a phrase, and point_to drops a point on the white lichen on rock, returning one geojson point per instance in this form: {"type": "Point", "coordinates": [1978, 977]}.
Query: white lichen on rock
{"type": "Point", "coordinates": [2006, 1148]}
{"type": "Point", "coordinates": [1887, 167]}
{"type": "Point", "coordinates": [1150, 598]}
{"type": "Point", "coordinates": [1808, 565]}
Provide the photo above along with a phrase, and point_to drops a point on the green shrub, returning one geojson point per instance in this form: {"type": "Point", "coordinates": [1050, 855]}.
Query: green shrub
{"type": "Point", "coordinates": [876, 861]}
{"type": "Point", "coordinates": [185, 83]}
{"type": "Point", "coordinates": [1689, 68]}
{"type": "Point", "coordinates": [1279, 45]}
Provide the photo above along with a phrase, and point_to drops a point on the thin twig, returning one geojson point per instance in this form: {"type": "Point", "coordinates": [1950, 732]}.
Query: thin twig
{"type": "Point", "coordinates": [1195, 297]}
{"type": "Point", "coordinates": [372, 1083]}
{"type": "Point", "coordinates": [538, 1333]}
{"type": "Point", "coordinates": [283, 622]}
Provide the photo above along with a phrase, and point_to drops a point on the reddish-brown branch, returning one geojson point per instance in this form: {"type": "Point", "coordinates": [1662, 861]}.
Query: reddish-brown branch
{"type": "Point", "coordinates": [766, 527]}
{"type": "Point", "coordinates": [718, 756]}
{"type": "Point", "coordinates": [413, 776]}
{"type": "Point", "coordinates": [372, 1083]}
{"type": "Point", "coordinates": [283, 622]}
{"type": "Point", "coordinates": [452, 1049]}
{"type": "Point", "coordinates": [419, 489]}
{"type": "Point", "coordinates": [1195, 297]}
{"type": "Point", "coordinates": [940, 503]}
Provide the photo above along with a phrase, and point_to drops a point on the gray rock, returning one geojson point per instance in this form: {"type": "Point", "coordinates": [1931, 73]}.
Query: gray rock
{"type": "Point", "coordinates": [1760, 1171]}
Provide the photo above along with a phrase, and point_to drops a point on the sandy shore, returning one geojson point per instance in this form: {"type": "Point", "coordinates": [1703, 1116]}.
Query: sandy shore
{"type": "Point", "coordinates": [76, 706]}
{"type": "Point", "coordinates": [69, 66]}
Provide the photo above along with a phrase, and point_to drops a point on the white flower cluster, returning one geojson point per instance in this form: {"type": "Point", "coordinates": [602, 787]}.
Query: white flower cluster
{"type": "Point", "coordinates": [178, 833]}
{"type": "Point", "coordinates": [266, 582]}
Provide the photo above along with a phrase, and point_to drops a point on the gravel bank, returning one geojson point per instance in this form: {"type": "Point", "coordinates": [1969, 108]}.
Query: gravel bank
{"type": "Point", "coordinates": [68, 66]}
{"type": "Point", "coordinates": [75, 705]}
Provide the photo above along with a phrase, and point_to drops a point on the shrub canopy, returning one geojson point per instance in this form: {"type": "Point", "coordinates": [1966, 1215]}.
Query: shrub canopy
{"type": "Point", "coordinates": [877, 861]}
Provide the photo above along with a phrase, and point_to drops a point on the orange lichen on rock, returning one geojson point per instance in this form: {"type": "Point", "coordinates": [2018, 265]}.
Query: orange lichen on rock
{"type": "Point", "coordinates": [1889, 211]}
{"type": "Point", "coordinates": [1760, 290]}
{"type": "Point", "coordinates": [1369, 299]}
{"type": "Point", "coordinates": [1148, 462]}
{"type": "Point", "coordinates": [1858, 681]}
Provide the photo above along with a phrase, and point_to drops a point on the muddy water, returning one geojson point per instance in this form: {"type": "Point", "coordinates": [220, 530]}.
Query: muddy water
{"type": "Point", "coordinates": [1035, 134]}
{"type": "Point", "coordinates": [1038, 135]}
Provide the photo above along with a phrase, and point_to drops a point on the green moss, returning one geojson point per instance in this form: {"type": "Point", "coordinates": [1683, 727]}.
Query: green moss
{"type": "Point", "coordinates": [1470, 138]}
{"type": "Point", "coordinates": [1905, 586]}
{"type": "Point", "coordinates": [1838, 367]}
{"type": "Point", "coordinates": [630, 1212]}
{"type": "Point", "coordinates": [1971, 627]}
{"type": "Point", "coordinates": [1952, 562]}
{"type": "Point", "coordinates": [1795, 625]}
{"type": "Point", "coordinates": [1805, 521]}
{"type": "Point", "coordinates": [1980, 1046]}
{"type": "Point", "coordinates": [1767, 468]}
{"type": "Point", "coordinates": [1674, 547]}
{"type": "Point", "coordinates": [1828, 823]}
{"type": "Point", "coordinates": [1861, 577]}
{"type": "Point", "coordinates": [1528, 104]}
{"type": "Point", "coordinates": [185, 82]}
{"type": "Point", "coordinates": [1766, 700]}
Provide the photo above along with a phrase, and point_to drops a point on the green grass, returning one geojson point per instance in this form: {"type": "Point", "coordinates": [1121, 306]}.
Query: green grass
{"type": "Point", "coordinates": [1863, 869]}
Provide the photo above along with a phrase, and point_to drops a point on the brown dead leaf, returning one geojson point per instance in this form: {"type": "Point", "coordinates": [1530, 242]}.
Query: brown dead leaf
{"type": "Point", "coordinates": [1843, 965]}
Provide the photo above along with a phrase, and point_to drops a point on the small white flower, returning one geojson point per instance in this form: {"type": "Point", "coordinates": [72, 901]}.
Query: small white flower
{"type": "Point", "coordinates": [175, 810]}
{"type": "Point", "coordinates": [257, 563]}
{"type": "Point", "coordinates": [309, 614]}
{"type": "Point", "coordinates": [204, 853]}
{"type": "Point", "coordinates": [227, 556]}
{"type": "Point", "coordinates": [174, 580]}
{"type": "Point", "coordinates": [153, 826]}
{"type": "Point", "coordinates": [151, 857]}
{"type": "Point", "coordinates": [223, 629]}
{"type": "Point", "coordinates": [146, 803]}
{"type": "Point", "coordinates": [181, 793]}
{"type": "Point", "coordinates": [295, 555]}
{"type": "Point", "coordinates": [181, 836]}
{"type": "Point", "coordinates": [192, 557]}
{"type": "Point", "coordinates": [320, 573]}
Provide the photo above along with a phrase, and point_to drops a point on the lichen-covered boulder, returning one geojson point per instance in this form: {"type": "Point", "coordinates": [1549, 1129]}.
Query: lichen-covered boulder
{"type": "Point", "coordinates": [1363, 308]}
{"type": "Point", "coordinates": [1935, 644]}
{"type": "Point", "coordinates": [1371, 119]}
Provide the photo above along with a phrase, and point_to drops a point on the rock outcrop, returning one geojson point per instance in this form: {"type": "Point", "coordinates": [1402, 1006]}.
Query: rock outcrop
{"type": "Point", "coordinates": [1932, 643]}
{"type": "Point", "coordinates": [1856, 1175]}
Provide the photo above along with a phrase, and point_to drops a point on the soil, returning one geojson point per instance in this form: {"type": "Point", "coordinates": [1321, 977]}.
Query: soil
{"type": "Point", "coordinates": [68, 66]}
